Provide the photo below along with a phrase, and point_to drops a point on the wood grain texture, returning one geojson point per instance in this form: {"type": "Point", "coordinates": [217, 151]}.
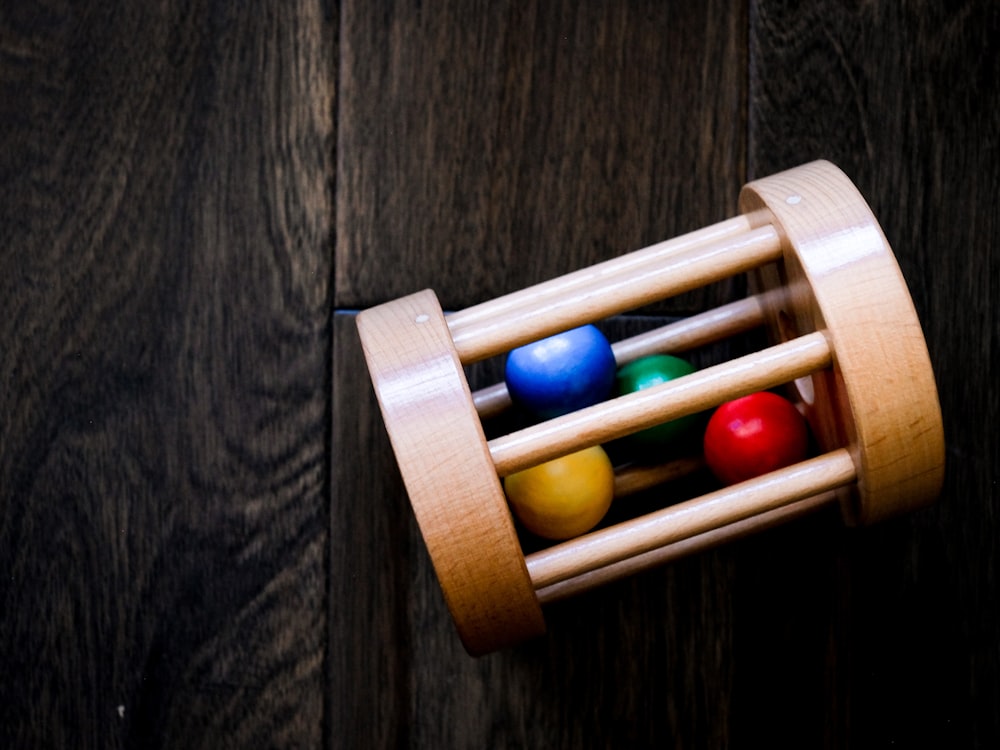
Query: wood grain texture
{"type": "Point", "coordinates": [484, 147]}
{"type": "Point", "coordinates": [164, 406]}
{"type": "Point", "coordinates": [446, 466]}
{"type": "Point", "coordinates": [903, 98]}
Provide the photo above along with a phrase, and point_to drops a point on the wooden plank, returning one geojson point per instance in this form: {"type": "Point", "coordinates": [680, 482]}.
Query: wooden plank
{"type": "Point", "coordinates": [903, 97]}
{"type": "Point", "coordinates": [372, 540]}
{"type": "Point", "coordinates": [166, 215]}
{"type": "Point", "coordinates": [484, 147]}
{"type": "Point", "coordinates": [481, 148]}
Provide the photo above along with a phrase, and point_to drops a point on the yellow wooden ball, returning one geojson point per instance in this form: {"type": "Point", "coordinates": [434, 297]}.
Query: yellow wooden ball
{"type": "Point", "coordinates": [564, 497]}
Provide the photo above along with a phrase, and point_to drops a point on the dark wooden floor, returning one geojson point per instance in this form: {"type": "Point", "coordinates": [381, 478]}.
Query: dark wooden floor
{"type": "Point", "coordinates": [203, 537]}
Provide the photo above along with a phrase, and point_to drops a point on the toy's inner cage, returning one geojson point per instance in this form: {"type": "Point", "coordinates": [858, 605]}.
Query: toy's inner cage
{"type": "Point", "coordinates": [843, 338]}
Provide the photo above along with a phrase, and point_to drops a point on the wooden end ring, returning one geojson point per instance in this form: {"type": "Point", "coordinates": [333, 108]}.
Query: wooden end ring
{"type": "Point", "coordinates": [840, 277]}
{"type": "Point", "coordinates": [449, 476]}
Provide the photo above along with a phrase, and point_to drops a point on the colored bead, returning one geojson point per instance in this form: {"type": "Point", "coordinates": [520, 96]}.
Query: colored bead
{"type": "Point", "coordinates": [754, 435]}
{"type": "Point", "coordinates": [564, 497]}
{"type": "Point", "coordinates": [645, 373]}
{"type": "Point", "coordinates": [561, 373]}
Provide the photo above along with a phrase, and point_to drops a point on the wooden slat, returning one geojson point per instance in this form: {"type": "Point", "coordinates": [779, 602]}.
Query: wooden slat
{"type": "Point", "coordinates": [375, 552]}
{"type": "Point", "coordinates": [165, 216]}
{"type": "Point", "coordinates": [483, 147]}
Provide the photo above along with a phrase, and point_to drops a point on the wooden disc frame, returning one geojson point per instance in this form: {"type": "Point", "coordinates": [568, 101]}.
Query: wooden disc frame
{"type": "Point", "coordinates": [846, 339]}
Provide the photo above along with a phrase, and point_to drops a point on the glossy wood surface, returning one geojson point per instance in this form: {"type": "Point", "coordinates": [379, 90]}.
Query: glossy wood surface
{"type": "Point", "coordinates": [204, 540]}
{"type": "Point", "coordinates": [446, 466]}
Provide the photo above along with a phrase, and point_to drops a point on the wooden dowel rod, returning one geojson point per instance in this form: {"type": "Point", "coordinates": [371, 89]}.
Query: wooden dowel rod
{"type": "Point", "coordinates": [682, 335]}
{"type": "Point", "coordinates": [567, 283]}
{"type": "Point", "coordinates": [689, 333]}
{"type": "Point", "coordinates": [691, 546]}
{"type": "Point", "coordinates": [688, 519]}
{"type": "Point", "coordinates": [630, 287]}
{"type": "Point", "coordinates": [636, 411]}
{"type": "Point", "coordinates": [491, 400]}
{"type": "Point", "coordinates": [636, 478]}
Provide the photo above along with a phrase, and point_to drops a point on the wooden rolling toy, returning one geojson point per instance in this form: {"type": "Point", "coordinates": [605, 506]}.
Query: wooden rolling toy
{"type": "Point", "coordinates": [845, 343]}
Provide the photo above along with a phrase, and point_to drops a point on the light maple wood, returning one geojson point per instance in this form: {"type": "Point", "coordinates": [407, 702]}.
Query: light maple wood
{"type": "Point", "coordinates": [622, 285]}
{"type": "Point", "coordinates": [693, 545]}
{"type": "Point", "coordinates": [570, 283]}
{"type": "Point", "coordinates": [446, 467]}
{"type": "Point", "coordinates": [839, 276]}
{"type": "Point", "coordinates": [846, 341]}
{"type": "Point", "coordinates": [685, 520]}
{"type": "Point", "coordinates": [633, 478]}
{"type": "Point", "coordinates": [697, 330]}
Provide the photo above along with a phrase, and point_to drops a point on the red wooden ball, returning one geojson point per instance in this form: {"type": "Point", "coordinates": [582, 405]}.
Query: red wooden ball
{"type": "Point", "coordinates": [753, 435]}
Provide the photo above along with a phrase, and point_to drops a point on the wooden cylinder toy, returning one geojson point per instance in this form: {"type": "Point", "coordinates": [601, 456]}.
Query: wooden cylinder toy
{"type": "Point", "coordinates": [844, 340]}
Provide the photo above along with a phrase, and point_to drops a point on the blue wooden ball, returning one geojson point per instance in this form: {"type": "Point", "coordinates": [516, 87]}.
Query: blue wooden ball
{"type": "Point", "coordinates": [561, 373]}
